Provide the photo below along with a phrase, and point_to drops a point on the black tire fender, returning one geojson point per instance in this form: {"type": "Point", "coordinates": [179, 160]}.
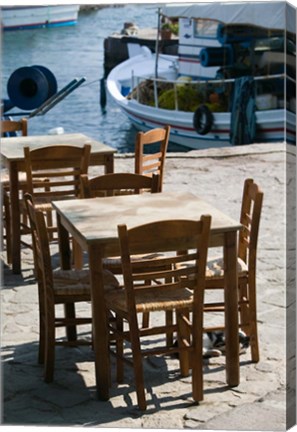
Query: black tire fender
{"type": "Point", "coordinates": [202, 120]}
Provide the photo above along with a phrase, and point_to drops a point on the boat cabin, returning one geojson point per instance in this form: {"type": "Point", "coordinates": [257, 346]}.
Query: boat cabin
{"type": "Point", "coordinates": [227, 40]}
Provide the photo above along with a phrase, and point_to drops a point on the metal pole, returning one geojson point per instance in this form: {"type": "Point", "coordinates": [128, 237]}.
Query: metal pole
{"type": "Point", "coordinates": [62, 96]}
{"type": "Point", "coordinates": [54, 97]}
{"type": "Point", "coordinates": [58, 97]}
{"type": "Point", "coordinates": [157, 43]}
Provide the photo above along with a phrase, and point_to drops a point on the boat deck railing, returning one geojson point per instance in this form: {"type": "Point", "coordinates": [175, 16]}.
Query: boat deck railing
{"type": "Point", "coordinates": [186, 95]}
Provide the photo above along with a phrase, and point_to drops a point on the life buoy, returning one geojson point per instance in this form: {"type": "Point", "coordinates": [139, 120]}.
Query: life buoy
{"type": "Point", "coordinates": [202, 120]}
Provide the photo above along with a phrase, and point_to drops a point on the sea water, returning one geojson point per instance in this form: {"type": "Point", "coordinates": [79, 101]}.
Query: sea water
{"type": "Point", "coordinates": [76, 52]}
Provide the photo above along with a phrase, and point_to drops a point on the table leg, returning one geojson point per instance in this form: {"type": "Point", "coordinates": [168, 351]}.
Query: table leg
{"type": "Point", "coordinates": [109, 164]}
{"type": "Point", "coordinates": [100, 333]}
{"type": "Point", "coordinates": [15, 218]}
{"type": "Point", "coordinates": [65, 258]}
{"type": "Point", "coordinates": [64, 245]}
{"type": "Point", "coordinates": [231, 309]}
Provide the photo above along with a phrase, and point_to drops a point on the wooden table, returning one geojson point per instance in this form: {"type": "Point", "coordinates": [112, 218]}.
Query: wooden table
{"type": "Point", "coordinates": [13, 158]}
{"type": "Point", "coordinates": [93, 224]}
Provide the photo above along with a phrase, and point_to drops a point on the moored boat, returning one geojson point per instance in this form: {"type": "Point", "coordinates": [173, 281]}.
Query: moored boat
{"type": "Point", "coordinates": [30, 17]}
{"type": "Point", "coordinates": [232, 82]}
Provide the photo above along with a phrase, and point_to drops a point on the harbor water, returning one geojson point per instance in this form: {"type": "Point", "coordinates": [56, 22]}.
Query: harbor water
{"type": "Point", "coordinates": [76, 52]}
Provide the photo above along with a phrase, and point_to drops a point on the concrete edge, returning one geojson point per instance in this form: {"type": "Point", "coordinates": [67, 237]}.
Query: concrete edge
{"type": "Point", "coordinates": [225, 152]}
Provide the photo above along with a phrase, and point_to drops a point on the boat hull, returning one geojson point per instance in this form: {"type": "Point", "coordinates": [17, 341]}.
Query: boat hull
{"type": "Point", "coordinates": [272, 125]}
{"type": "Point", "coordinates": [32, 17]}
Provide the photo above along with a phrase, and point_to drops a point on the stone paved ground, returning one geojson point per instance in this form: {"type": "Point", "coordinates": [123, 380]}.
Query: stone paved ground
{"type": "Point", "coordinates": [261, 400]}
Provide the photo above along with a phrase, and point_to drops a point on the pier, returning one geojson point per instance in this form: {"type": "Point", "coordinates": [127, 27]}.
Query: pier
{"type": "Point", "coordinates": [116, 45]}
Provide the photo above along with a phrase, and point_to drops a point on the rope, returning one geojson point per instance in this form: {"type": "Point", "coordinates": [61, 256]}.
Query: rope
{"type": "Point", "coordinates": [90, 83]}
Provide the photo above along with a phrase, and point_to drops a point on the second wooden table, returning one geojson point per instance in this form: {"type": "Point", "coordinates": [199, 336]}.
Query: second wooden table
{"type": "Point", "coordinates": [12, 153]}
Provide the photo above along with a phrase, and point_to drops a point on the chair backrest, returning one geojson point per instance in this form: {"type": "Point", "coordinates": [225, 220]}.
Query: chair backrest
{"type": "Point", "coordinates": [148, 163]}
{"type": "Point", "coordinates": [58, 175]}
{"type": "Point", "coordinates": [41, 248]}
{"type": "Point", "coordinates": [14, 126]}
{"type": "Point", "coordinates": [117, 184]}
{"type": "Point", "coordinates": [250, 215]}
{"type": "Point", "coordinates": [172, 268]}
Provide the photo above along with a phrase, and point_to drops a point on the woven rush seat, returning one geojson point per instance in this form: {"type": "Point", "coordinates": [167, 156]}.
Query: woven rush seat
{"type": "Point", "coordinates": [5, 179]}
{"type": "Point", "coordinates": [45, 205]}
{"type": "Point", "coordinates": [22, 179]}
{"type": "Point", "coordinates": [116, 262]}
{"type": "Point", "coordinates": [69, 282]}
{"type": "Point", "coordinates": [166, 299]}
{"type": "Point", "coordinates": [215, 267]}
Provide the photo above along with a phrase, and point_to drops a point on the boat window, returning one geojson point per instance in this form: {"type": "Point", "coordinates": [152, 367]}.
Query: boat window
{"type": "Point", "coordinates": [205, 28]}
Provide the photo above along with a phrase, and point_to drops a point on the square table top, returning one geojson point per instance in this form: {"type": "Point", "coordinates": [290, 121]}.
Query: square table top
{"type": "Point", "coordinates": [95, 220]}
{"type": "Point", "coordinates": [12, 148]}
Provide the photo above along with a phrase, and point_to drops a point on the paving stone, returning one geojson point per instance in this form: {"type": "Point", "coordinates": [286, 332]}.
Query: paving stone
{"type": "Point", "coordinates": [258, 403]}
{"type": "Point", "coordinates": [256, 416]}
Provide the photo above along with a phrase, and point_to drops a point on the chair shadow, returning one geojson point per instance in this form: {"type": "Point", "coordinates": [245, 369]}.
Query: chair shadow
{"type": "Point", "coordinates": [26, 277]}
{"type": "Point", "coordinates": [71, 399]}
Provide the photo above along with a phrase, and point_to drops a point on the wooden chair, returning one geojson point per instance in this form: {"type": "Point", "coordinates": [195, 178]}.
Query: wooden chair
{"type": "Point", "coordinates": [117, 184]}
{"type": "Point", "coordinates": [147, 164]}
{"type": "Point", "coordinates": [66, 287]}
{"type": "Point", "coordinates": [149, 288]}
{"type": "Point", "coordinates": [247, 259]}
{"type": "Point", "coordinates": [62, 176]}
{"type": "Point", "coordinates": [8, 126]}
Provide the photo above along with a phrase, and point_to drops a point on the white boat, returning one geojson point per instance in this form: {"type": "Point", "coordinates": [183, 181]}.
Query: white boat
{"type": "Point", "coordinates": [30, 17]}
{"type": "Point", "coordinates": [225, 50]}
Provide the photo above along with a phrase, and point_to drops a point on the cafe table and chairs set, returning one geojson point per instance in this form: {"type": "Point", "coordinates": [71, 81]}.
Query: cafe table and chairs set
{"type": "Point", "coordinates": [146, 251]}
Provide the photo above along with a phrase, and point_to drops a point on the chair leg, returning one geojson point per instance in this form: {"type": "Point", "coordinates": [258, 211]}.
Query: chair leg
{"type": "Point", "coordinates": [24, 216]}
{"type": "Point", "coordinates": [146, 315]}
{"type": "Point", "coordinates": [169, 321]}
{"type": "Point", "coordinates": [244, 308]}
{"type": "Point", "coordinates": [253, 321]}
{"type": "Point", "coordinates": [120, 351]}
{"type": "Point", "coordinates": [50, 224]}
{"type": "Point", "coordinates": [197, 363]}
{"type": "Point", "coordinates": [49, 363]}
{"type": "Point", "coordinates": [49, 213]}
{"type": "Point", "coordinates": [197, 377]}
{"type": "Point", "coordinates": [145, 319]}
{"type": "Point", "coordinates": [183, 339]}
{"type": "Point", "coordinates": [41, 348]}
{"type": "Point", "coordinates": [42, 331]}
{"type": "Point", "coordinates": [70, 313]}
{"type": "Point", "coordinates": [137, 364]}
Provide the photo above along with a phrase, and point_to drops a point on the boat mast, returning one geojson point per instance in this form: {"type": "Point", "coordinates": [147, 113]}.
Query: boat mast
{"type": "Point", "coordinates": [157, 43]}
